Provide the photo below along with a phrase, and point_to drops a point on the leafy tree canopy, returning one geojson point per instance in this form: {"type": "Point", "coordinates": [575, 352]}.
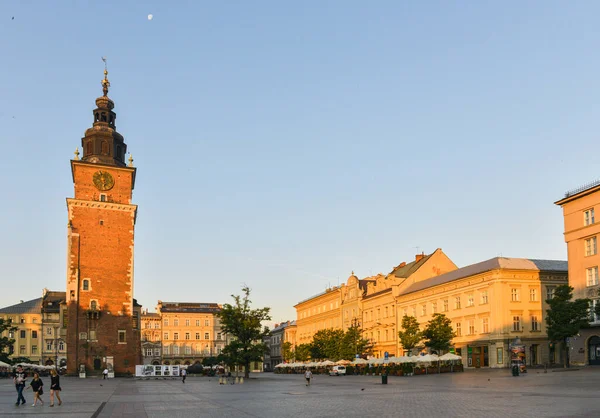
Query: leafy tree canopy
{"type": "Point", "coordinates": [244, 325]}
{"type": "Point", "coordinates": [438, 333]}
{"type": "Point", "coordinates": [6, 342]}
{"type": "Point", "coordinates": [410, 335]}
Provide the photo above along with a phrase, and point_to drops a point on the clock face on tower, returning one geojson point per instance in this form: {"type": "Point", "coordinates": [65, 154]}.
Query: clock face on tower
{"type": "Point", "coordinates": [103, 180]}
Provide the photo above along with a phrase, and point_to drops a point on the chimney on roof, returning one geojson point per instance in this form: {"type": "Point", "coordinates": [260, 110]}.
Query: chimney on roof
{"type": "Point", "coordinates": [420, 256]}
{"type": "Point", "coordinates": [402, 264]}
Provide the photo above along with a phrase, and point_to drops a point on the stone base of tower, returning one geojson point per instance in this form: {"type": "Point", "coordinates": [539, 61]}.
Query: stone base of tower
{"type": "Point", "coordinates": [99, 340]}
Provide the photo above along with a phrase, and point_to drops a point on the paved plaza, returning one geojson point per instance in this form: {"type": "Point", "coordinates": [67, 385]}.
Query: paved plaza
{"type": "Point", "coordinates": [479, 393]}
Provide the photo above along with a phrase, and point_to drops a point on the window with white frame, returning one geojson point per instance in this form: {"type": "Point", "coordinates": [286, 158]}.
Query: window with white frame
{"type": "Point", "coordinates": [166, 322]}
{"type": "Point", "coordinates": [423, 310]}
{"type": "Point", "coordinates": [166, 336]}
{"type": "Point", "coordinates": [206, 336]}
{"type": "Point", "coordinates": [485, 325]}
{"type": "Point", "coordinates": [588, 217]}
{"type": "Point", "coordinates": [433, 307]}
{"type": "Point", "coordinates": [514, 294]}
{"type": "Point", "coordinates": [206, 323]}
{"type": "Point", "coordinates": [49, 345]}
{"type": "Point", "coordinates": [470, 300]}
{"type": "Point", "coordinates": [157, 352]}
{"type": "Point", "coordinates": [166, 349]}
{"type": "Point", "coordinates": [175, 335]}
{"type": "Point", "coordinates": [156, 325]}
{"type": "Point", "coordinates": [176, 322]}
{"type": "Point", "coordinates": [471, 326]}
{"type": "Point", "coordinates": [516, 323]}
{"type": "Point", "coordinates": [61, 346]}
{"type": "Point", "coordinates": [590, 246]}
{"type": "Point", "coordinates": [484, 297]}
{"type": "Point", "coordinates": [187, 322]}
{"type": "Point", "coordinates": [188, 349]}
{"type": "Point", "coordinates": [458, 329]}
{"type": "Point", "coordinates": [197, 335]}
{"type": "Point", "coordinates": [457, 302]}
{"type": "Point", "coordinates": [122, 337]}
{"type": "Point", "coordinates": [386, 312]}
{"type": "Point", "coordinates": [549, 292]}
{"type": "Point", "coordinates": [414, 311]}
{"type": "Point", "coordinates": [592, 276]}
{"type": "Point", "coordinates": [533, 294]}
{"type": "Point", "coordinates": [445, 305]}
{"type": "Point", "coordinates": [176, 350]}
{"type": "Point", "coordinates": [187, 335]}
{"type": "Point", "coordinates": [197, 322]}
{"type": "Point", "coordinates": [535, 324]}
{"type": "Point", "coordinates": [148, 352]}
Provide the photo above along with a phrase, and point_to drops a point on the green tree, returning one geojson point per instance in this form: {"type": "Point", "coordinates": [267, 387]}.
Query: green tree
{"type": "Point", "coordinates": [354, 343]}
{"type": "Point", "coordinates": [245, 326]}
{"type": "Point", "coordinates": [326, 344]}
{"type": "Point", "coordinates": [6, 342]}
{"type": "Point", "coordinates": [287, 351]}
{"type": "Point", "coordinates": [411, 335]}
{"type": "Point", "coordinates": [302, 352]}
{"type": "Point", "coordinates": [438, 333]}
{"type": "Point", "coordinates": [566, 318]}
{"type": "Point", "coordinates": [210, 361]}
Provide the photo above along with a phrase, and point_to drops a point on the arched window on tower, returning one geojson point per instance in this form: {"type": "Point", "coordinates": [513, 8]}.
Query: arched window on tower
{"type": "Point", "coordinates": [112, 119]}
{"type": "Point", "coordinates": [104, 148]}
{"type": "Point", "coordinates": [97, 116]}
{"type": "Point", "coordinates": [118, 154]}
{"type": "Point", "coordinates": [103, 117]}
{"type": "Point", "coordinates": [89, 148]}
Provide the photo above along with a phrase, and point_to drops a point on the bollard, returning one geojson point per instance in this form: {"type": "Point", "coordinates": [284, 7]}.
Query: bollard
{"type": "Point", "coordinates": [242, 380]}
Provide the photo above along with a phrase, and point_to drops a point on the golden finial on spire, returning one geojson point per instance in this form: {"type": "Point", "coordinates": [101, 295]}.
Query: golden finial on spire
{"type": "Point", "coordinates": [76, 153]}
{"type": "Point", "coordinates": [130, 161]}
{"type": "Point", "coordinates": [105, 82]}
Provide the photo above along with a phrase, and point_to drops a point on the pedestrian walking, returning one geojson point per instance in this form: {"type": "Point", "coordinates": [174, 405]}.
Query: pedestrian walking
{"type": "Point", "coordinates": [308, 376]}
{"type": "Point", "coordinates": [55, 387]}
{"type": "Point", "coordinates": [20, 378]}
{"type": "Point", "coordinates": [183, 375]}
{"type": "Point", "coordinates": [37, 386]}
{"type": "Point", "coordinates": [104, 374]}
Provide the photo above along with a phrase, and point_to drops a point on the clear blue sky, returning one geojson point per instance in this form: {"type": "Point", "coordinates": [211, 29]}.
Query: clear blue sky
{"type": "Point", "coordinates": [285, 144]}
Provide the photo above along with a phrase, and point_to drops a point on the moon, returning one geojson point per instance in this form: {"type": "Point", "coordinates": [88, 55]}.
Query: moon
{"type": "Point", "coordinates": [150, 17]}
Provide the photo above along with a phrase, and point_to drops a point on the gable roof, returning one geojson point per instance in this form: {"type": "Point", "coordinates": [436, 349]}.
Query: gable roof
{"type": "Point", "coordinates": [30, 306]}
{"type": "Point", "coordinates": [489, 265]}
{"type": "Point", "coordinates": [404, 271]}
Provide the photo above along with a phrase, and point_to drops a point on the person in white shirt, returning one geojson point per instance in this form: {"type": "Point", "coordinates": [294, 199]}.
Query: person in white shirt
{"type": "Point", "coordinates": [105, 374]}
{"type": "Point", "coordinates": [308, 376]}
{"type": "Point", "coordinates": [183, 375]}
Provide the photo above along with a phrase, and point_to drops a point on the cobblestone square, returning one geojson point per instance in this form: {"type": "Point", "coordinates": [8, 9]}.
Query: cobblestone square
{"type": "Point", "coordinates": [480, 393]}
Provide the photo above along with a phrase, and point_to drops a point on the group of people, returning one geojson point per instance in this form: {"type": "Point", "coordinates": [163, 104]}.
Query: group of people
{"type": "Point", "coordinates": [37, 386]}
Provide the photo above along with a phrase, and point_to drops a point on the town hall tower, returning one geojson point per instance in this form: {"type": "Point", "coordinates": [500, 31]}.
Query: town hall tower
{"type": "Point", "coordinates": [103, 317]}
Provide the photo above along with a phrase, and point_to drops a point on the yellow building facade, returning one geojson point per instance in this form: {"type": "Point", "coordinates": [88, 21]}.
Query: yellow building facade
{"type": "Point", "coordinates": [490, 304]}
{"type": "Point", "coordinates": [27, 317]}
{"type": "Point", "coordinates": [318, 312]}
{"type": "Point", "coordinates": [190, 331]}
{"type": "Point", "coordinates": [581, 233]}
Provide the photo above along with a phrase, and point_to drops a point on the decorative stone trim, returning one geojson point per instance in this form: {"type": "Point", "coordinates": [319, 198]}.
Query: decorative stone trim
{"type": "Point", "coordinates": [101, 205]}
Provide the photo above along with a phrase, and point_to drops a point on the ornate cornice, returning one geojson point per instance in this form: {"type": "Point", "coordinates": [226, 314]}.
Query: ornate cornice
{"type": "Point", "coordinates": [101, 205]}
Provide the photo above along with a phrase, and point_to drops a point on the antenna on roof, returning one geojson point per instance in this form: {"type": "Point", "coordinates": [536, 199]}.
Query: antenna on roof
{"type": "Point", "coordinates": [417, 248]}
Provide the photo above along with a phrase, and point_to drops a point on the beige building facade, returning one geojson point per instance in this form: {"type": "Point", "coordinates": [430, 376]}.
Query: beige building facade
{"type": "Point", "coordinates": [27, 317]}
{"type": "Point", "coordinates": [490, 304]}
{"type": "Point", "coordinates": [581, 233]}
{"type": "Point", "coordinates": [151, 334]}
{"type": "Point", "coordinates": [190, 332]}
{"type": "Point", "coordinates": [318, 312]}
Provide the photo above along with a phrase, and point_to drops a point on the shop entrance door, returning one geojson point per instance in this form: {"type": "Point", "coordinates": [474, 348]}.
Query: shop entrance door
{"type": "Point", "coordinates": [594, 351]}
{"type": "Point", "coordinates": [478, 358]}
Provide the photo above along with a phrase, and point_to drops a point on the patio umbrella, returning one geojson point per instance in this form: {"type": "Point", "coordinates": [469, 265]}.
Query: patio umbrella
{"type": "Point", "coordinates": [450, 357]}
{"type": "Point", "coordinates": [343, 362]}
{"type": "Point", "coordinates": [359, 361]}
{"type": "Point", "coordinates": [327, 363]}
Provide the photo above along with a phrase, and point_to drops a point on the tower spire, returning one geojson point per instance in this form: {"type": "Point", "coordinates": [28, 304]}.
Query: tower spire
{"type": "Point", "coordinates": [105, 82]}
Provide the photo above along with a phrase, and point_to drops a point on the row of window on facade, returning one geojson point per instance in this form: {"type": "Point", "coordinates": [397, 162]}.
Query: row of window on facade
{"type": "Point", "coordinates": [22, 334]}
{"type": "Point", "coordinates": [317, 309]}
{"type": "Point", "coordinates": [176, 323]}
{"type": "Point", "coordinates": [187, 336]}
{"type": "Point", "coordinates": [188, 350]}
{"type": "Point", "coordinates": [121, 336]}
